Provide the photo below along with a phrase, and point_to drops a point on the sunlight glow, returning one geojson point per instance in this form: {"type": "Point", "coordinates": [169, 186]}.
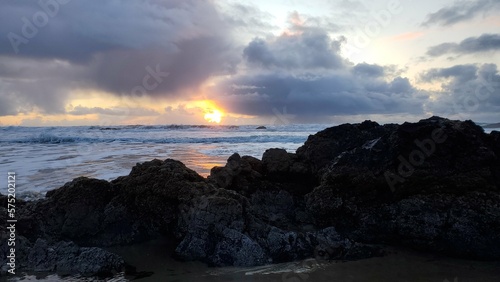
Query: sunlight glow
{"type": "Point", "coordinates": [214, 116]}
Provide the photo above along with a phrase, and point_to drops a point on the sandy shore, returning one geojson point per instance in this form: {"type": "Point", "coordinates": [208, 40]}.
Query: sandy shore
{"type": "Point", "coordinates": [398, 265]}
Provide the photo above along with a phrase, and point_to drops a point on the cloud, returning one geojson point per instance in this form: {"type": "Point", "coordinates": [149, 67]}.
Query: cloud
{"type": "Point", "coordinates": [461, 73]}
{"type": "Point", "coordinates": [304, 73]}
{"type": "Point", "coordinates": [124, 48]}
{"type": "Point", "coordinates": [169, 49]}
{"type": "Point", "coordinates": [461, 11]}
{"type": "Point", "coordinates": [5, 107]}
{"type": "Point", "coordinates": [302, 47]}
{"type": "Point", "coordinates": [368, 70]}
{"type": "Point", "coordinates": [77, 30]}
{"type": "Point", "coordinates": [246, 20]}
{"type": "Point", "coordinates": [27, 85]}
{"type": "Point", "coordinates": [306, 97]}
{"type": "Point", "coordinates": [467, 90]}
{"type": "Point", "coordinates": [483, 43]}
{"type": "Point", "coordinates": [115, 111]}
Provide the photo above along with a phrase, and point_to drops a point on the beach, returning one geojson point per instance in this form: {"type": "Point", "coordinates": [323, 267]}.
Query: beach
{"type": "Point", "coordinates": [400, 264]}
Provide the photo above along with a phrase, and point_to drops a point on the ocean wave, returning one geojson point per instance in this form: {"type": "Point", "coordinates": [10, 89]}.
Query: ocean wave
{"type": "Point", "coordinates": [165, 127]}
{"type": "Point", "coordinates": [46, 138]}
{"type": "Point", "coordinates": [233, 139]}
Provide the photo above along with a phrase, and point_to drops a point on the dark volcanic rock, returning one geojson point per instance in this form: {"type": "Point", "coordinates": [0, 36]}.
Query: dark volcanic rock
{"type": "Point", "coordinates": [236, 248]}
{"type": "Point", "coordinates": [380, 191]}
{"type": "Point", "coordinates": [153, 195]}
{"type": "Point", "coordinates": [324, 147]}
{"type": "Point", "coordinates": [133, 208]}
{"type": "Point", "coordinates": [207, 224]}
{"type": "Point", "coordinates": [239, 174]}
{"type": "Point", "coordinates": [75, 211]}
{"type": "Point", "coordinates": [143, 205]}
{"type": "Point", "coordinates": [276, 162]}
{"type": "Point", "coordinates": [286, 168]}
{"type": "Point", "coordinates": [63, 258]}
{"type": "Point", "coordinates": [495, 141]}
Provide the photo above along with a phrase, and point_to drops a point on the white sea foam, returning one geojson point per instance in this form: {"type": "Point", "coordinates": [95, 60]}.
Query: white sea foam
{"type": "Point", "coordinates": [45, 158]}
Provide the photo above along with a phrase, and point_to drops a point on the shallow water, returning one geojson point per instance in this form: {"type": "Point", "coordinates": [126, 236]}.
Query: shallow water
{"type": "Point", "coordinates": [44, 158]}
{"type": "Point", "coordinates": [398, 265]}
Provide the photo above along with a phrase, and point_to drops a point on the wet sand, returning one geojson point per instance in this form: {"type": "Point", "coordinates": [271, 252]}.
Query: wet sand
{"type": "Point", "coordinates": [398, 265]}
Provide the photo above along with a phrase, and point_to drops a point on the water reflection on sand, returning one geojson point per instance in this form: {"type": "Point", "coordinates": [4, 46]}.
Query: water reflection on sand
{"type": "Point", "coordinates": [398, 265]}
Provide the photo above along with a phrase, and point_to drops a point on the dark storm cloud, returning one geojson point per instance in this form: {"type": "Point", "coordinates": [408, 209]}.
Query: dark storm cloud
{"type": "Point", "coordinates": [368, 70]}
{"type": "Point", "coordinates": [483, 43]}
{"type": "Point", "coordinates": [459, 72]}
{"type": "Point", "coordinates": [6, 107]}
{"type": "Point", "coordinates": [159, 73]}
{"type": "Point", "coordinates": [27, 84]}
{"type": "Point", "coordinates": [461, 11]}
{"type": "Point", "coordinates": [152, 47]}
{"type": "Point", "coordinates": [312, 49]}
{"type": "Point", "coordinates": [79, 29]}
{"type": "Point", "coordinates": [468, 89]}
{"type": "Point", "coordinates": [304, 73]}
{"type": "Point", "coordinates": [322, 96]}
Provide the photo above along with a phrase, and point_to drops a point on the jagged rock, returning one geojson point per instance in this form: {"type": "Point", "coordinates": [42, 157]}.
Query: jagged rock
{"type": "Point", "coordinates": [322, 148]}
{"type": "Point", "coordinates": [286, 168]}
{"type": "Point", "coordinates": [413, 206]}
{"type": "Point", "coordinates": [74, 211]}
{"type": "Point", "coordinates": [63, 258]}
{"type": "Point", "coordinates": [208, 224]}
{"type": "Point", "coordinates": [153, 195]}
{"type": "Point", "coordinates": [495, 141]}
{"type": "Point", "coordinates": [237, 249]}
{"type": "Point", "coordinates": [133, 208]}
{"type": "Point", "coordinates": [276, 161]}
{"type": "Point", "coordinates": [238, 174]}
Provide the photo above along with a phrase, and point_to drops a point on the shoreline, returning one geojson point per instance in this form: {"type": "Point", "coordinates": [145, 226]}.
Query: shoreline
{"type": "Point", "coordinates": [399, 264]}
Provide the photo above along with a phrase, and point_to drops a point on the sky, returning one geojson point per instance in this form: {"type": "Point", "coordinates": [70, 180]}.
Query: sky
{"type": "Point", "coordinates": [111, 62]}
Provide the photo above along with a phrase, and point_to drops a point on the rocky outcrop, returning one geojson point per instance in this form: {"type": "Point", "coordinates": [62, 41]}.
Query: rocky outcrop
{"type": "Point", "coordinates": [239, 174]}
{"type": "Point", "coordinates": [433, 185]}
{"type": "Point", "coordinates": [64, 258]}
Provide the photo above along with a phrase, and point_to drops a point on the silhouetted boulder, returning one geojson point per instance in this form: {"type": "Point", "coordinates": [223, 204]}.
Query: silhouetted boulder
{"type": "Point", "coordinates": [400, 184]}
{"type": "Point", "coordinates": [238, 174]}
{"type": "Point", "coordinates": [64, 258]}
{"type": "Point", "coordinates": [75, 211]}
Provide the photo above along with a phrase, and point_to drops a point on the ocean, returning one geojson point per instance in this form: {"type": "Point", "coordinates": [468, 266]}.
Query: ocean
{"type": "Point", "coordinates": [44, 158]}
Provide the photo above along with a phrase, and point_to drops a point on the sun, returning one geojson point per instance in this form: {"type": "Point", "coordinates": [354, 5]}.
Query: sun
{"type": "Point", "coordinates": [214, 116]}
